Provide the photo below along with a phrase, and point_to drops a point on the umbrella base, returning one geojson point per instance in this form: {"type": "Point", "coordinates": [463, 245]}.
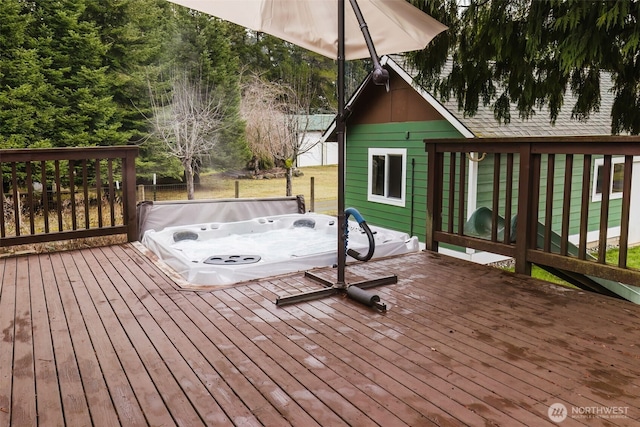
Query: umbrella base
{"type": "Point", "coordinates": [355, 291]}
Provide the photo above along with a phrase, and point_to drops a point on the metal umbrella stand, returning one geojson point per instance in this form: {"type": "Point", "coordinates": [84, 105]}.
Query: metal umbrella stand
{"type": "Point", "coordinates": [357, 290]}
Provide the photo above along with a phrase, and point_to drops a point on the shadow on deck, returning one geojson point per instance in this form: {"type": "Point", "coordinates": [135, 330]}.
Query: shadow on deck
{"type": "Point", "coordinates": [103, 337]}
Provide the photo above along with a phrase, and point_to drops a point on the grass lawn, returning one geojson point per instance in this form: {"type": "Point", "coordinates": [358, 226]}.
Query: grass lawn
{"type": "Point", "coordinates": [541, 274]}
{"type": "Point", "coordinates": [633, 261]}
{"type": "Point", "coordinates": [214, 185]}
{"type": "Point", "coordinates": [633, 257]}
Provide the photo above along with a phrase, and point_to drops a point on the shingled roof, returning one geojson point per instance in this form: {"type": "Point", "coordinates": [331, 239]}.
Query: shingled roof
{"type": "Point", "coordinates": [483, 123]}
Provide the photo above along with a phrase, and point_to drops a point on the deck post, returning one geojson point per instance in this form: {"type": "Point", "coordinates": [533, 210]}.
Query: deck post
{"type": "Point", "coordinates": [523, 266]}
{"type": "Point", "coordinates": [432, 200]}
{"type": "Point", "coordinates": [129, 194]}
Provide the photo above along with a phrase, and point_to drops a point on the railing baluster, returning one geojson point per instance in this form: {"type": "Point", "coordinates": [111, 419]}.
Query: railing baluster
{"type": "Point", "coordinates": [99, 192]}
{"type": "Point", "coordinates": [508, 199]}
{"type": "Point", "coordinates": [548, 214]}
{"type": "Point", "coordinates": [72, 194]}
{"type": "Point", "coordinates": [626, 209]}
{"type": "Point", "coordinates": [566, 204]}
{"type": "Point", "coordinates": [584, 206]}
{"type": "Point", "coordinates": [45, 195]}
{"type": "Point", "coordinates": [452, 184]}
{"type": "Point", "coordinates": [605, 178]}
{"type": "Point", "coordinates": [496, 197]}
{"type": "Point", "coordinates": [461, 192]}
{"type": "Point", "coordinates": [58, 195]}
{"type": "Point", "coordinates": [112, 194]}
{"type": "Point", "coordinates": [440, 190]}
{"type": "Point", "coordinates": [30, 201]}
{"type": "Point", "coordinates": [3, 231]}
{"type": "Point", "coordinates": [85, 188]}
{"type": "Point", "coordinates": [16, 198]}
{"type": "Point", "coordinates": [536, 160]}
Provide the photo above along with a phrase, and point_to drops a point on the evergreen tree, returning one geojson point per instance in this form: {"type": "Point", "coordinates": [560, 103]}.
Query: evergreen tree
{"type": "Point", "coordinates": [71, 59]}
{"type": "Point", "coordinates": [133, 32]}
{"type": "Point", "coordinates": [529, 53]}
{"type": "Point", "coordinates": [26, 117]}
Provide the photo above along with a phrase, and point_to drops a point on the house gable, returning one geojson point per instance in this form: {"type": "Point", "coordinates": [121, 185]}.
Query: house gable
{"type": "Point", "coordinates": [401, 104]}
{"type": "Point", "coordinates": [390, 121]}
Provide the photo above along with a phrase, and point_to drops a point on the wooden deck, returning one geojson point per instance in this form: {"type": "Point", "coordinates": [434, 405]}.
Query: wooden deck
{"type": "Point", "coordinates": [102, 337]}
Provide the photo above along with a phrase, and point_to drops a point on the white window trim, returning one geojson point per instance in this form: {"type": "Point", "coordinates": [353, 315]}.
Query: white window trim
{"type": "Point", "coordinates": [597, 197]}
{"type": "Point", "coordinates": [386, 152]}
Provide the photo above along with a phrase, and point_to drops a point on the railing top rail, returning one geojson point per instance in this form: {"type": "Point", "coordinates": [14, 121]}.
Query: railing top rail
{"type": "Point", "coordinates": [67, 153]}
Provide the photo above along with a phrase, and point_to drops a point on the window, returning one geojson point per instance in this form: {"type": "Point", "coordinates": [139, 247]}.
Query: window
{"type": "Point", "coordinates": [387, 175]}
{"type": "Point", "coordinates": [615, 184]}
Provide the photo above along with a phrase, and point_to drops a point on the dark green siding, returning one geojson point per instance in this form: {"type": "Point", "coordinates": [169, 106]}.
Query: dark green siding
{"type": "Point", "coordinates": [409, 135]}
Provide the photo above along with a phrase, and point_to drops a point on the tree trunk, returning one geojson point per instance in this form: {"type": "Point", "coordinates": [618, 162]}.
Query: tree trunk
{"type": "Point", "coordinates": [188, 174]}
{"type": "Point", "coordinates": [288, 179]}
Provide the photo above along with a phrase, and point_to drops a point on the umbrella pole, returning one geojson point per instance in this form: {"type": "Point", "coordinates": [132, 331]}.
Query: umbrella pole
{"type": "Point", "coordinates": [340, 134]}
{"type": "Point", "coordinates": [357, 290]}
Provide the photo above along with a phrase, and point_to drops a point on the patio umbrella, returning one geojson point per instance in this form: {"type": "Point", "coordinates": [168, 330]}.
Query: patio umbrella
{"type": "Point", "coordinates": [328, 28]}
{"type": "Point", "coordinates": [395, 25]}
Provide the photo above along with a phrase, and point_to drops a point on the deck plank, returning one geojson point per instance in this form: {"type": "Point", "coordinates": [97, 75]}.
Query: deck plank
{"type": "Point", "coordinates": [118, 321]}
{"type": "Point", "coordinates": [86, 350]}
{"type": "Point", "coordinates": [169, 371]}
{"type": "Point", "coordinates": [7, 322]}
{"type": "Point", "coordinates": [103, 336]}
{"type": "Point", "coordinates": [173, 321]}
{"type": "Point", "coordinates": [74, 405]}
{"type": "Point", "coordinates": [276, 383]}
{"type": "Point", "coordinates": [375, 395]}
{"type": "Point", "coordinates": [219, 351]}
{"type": "Point", "coordinates": [327, 400]}
{"type": "Point", "coordinates": [48, 401]}
{"type": "Point", "coordinates": [23, 410]}
{"type": "Point", "coordinates": [114, 350]}
{"type": "Point", "coordinates": [398, 359]}
{"type": "Point", "coordinates": [374, 347]}
{"type": "Point", "coordinates": [511, 326]}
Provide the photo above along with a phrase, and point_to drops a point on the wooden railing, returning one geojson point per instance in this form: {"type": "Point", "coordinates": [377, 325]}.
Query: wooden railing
{"type": "Point", "coordinates": [67, 193]}
{"type": "Point", "coordinates": [539, 192]}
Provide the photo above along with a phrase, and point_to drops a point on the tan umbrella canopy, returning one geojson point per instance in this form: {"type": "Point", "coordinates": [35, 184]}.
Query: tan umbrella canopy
{"type": "Point", "coordinates": [327, 27]}
{"type": "Point", "coordinates": [395, 25]}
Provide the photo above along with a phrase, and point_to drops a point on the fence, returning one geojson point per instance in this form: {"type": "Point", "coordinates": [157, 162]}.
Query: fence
{"type": "Point", "coordinates": [167, 192]}
{"type": "Point", "coordinates": [163, 192]}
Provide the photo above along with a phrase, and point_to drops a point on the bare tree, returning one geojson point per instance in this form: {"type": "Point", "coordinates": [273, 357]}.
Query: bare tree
{"type": "Point", "coordinates": [188, 118]}
{"type": "Point", "coordinates": [277, 122]}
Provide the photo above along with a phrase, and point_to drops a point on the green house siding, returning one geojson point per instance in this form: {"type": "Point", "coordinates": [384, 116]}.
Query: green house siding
{"type": "Point", "coordinates": [485, 185]}
{"type": "Point", "coordinates": [485, 192]}
{"type": "Point", "coordinates": [409, 135]}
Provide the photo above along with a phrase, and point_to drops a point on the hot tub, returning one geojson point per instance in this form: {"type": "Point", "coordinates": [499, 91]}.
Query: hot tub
{"type": "Point", "coordinates": [226, 253]}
